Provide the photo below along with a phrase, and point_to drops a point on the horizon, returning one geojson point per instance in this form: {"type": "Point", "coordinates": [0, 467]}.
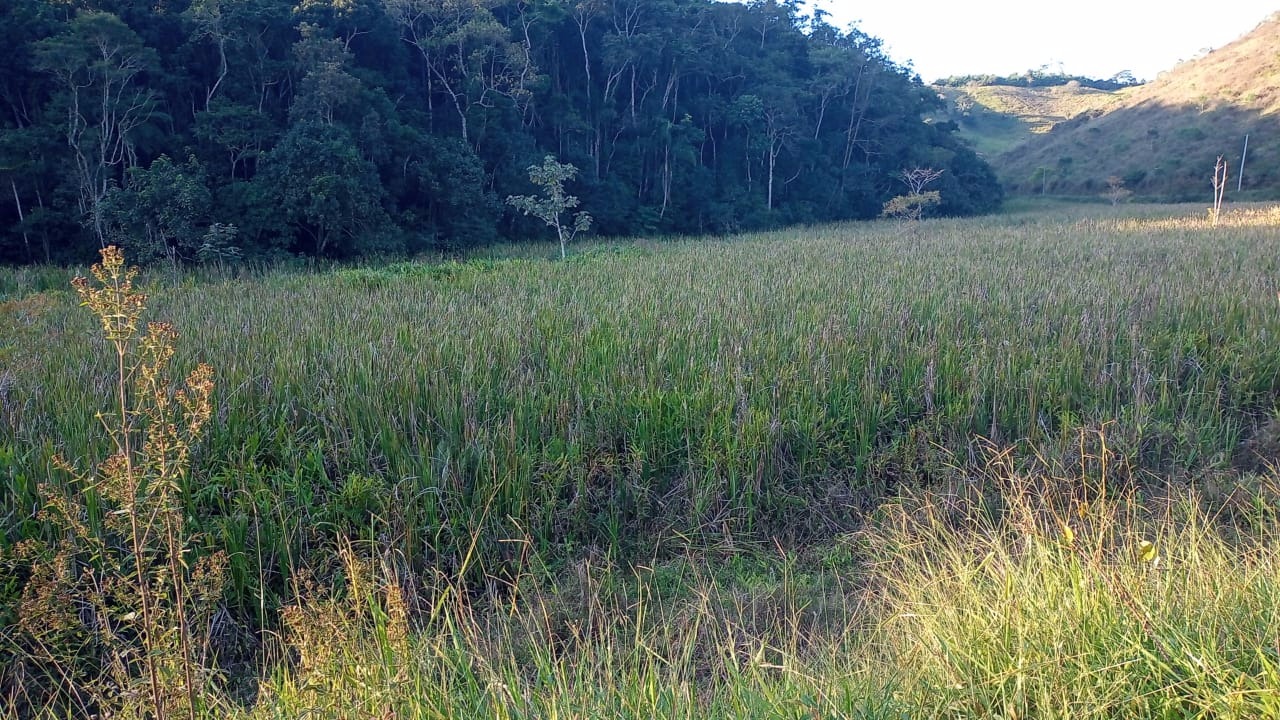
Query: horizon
{"type": "Point", "coordinates": [961, 41]}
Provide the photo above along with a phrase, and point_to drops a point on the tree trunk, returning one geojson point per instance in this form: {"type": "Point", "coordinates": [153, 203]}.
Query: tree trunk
{"type": "Point", "coordinates": [773, 161]}
{"type": "Point", "coordinates": [17, 201]}
{"type": "Point", "coordinates": [44, 236]}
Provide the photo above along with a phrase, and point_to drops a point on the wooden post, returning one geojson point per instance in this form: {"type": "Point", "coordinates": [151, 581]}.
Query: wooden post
{"type": "Point", "coordinates": [1243, 154]}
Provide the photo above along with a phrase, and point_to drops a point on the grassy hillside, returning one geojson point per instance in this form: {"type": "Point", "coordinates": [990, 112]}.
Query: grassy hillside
{"type": "Point", "coordinates": [1162, 138]}
{"type": "Point", "coordinates": [815, 473]}
{"type": "Point", "coordinates": [998, 118]}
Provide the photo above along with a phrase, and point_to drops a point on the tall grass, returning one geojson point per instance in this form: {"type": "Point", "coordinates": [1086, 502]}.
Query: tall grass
{"type": "Point", "coordinates": [1054, 596]}
{"type": "Point", "coordinates": [466, 422]}
{"type": "Point", "coordinates": [764, 384]}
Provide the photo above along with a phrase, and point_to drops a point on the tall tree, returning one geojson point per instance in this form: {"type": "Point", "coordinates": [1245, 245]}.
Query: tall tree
{"type": "Point", "coordinates": [329, 193]}
{"type": "Point", "coordinates": [469, 55]}
{"type": "Point", "coordinates": [100, 65]}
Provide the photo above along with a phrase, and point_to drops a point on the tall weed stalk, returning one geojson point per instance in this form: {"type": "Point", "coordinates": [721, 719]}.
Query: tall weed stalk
{"type": "Point", "coordinates": [114, 619]}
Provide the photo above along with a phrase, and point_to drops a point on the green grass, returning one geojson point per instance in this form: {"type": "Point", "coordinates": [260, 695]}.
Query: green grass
{"type": "Point", "coordinates": [475, 424]}
{"type": "Point", "coordinates": [680, 387]}
{"type": "Point", "coordinates": [943, 607]}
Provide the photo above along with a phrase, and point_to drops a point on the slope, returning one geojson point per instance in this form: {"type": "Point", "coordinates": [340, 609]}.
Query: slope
{"type": "Point", "coordinates": [998, 118]}
{"type": "Point", "coordinates": [1162, 138]}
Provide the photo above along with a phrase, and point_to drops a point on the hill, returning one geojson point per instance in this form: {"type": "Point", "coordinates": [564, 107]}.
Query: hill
{"type": "Point", "coordinates": [998, 118]}
{"type": "Point", "coordinates": [1162, 138]}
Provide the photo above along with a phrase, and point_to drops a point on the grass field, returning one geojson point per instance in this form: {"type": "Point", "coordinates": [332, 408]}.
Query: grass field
{"type": "Point", "coordinates": [847, 471]}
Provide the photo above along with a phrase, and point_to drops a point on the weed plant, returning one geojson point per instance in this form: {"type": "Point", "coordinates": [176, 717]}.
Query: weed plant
{"type": "Point", "coordinates": [109, 619]}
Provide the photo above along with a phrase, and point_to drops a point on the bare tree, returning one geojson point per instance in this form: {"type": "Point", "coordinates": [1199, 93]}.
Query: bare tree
{"type": "Point", "coordinates": [911, 207]}
{"type": "Point", "coordinates": [1116, 191]}
{"type": "Point", "coordinates": [917, 178]}
{"type": "Point", "coordinates": [1219, 189]}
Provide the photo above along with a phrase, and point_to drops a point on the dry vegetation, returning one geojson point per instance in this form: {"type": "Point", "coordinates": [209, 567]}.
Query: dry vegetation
{"type": "Point", "coordinates": [1159, 137]}
{"type": "Point", "coordinates": [999, 118]}
{"type": "Point", "coordinates": [1017, 467]}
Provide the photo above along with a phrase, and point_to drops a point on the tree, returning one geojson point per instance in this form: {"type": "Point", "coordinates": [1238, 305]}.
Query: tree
{"type": "Point", "coordinates": [99, 63]}
{"type": "Point", "coordinates": [550, 208]}
{"type": "Point", "coordinates": [325, 189]}
{"type": "Point", "coordinates": [918, 177]}
{"type": "Point", "coordinates": [161, 213]}
{"type": "Point", "coordinates": [1116, 191]}
{"type": "Point", "coordinates": [237, 129]}
{"type": "Point", "coordinates": [467, 52]}
{"type": "Point", "coordinates": [1219, 189]}
{"type": "Point", "coordinates": [911, 207]}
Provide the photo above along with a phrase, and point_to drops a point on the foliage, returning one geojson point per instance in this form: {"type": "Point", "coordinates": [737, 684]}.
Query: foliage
{"type": "Point", "coordinates": [162, 212]}
{"type": "Point", "coordinates": [325, 189]}
{"type": "Point", "coordinates": [912, 206]}
{"type": "Point", "coordinates": [1042, 78]}
{"type": "Point", "coordinates": [376, 127]}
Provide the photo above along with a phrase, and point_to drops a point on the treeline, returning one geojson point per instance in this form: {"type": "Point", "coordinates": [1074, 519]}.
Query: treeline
{"type": "Point", "coordinates": [1039, 78]}
{"type": "Point", "coordinates": [199, 129]}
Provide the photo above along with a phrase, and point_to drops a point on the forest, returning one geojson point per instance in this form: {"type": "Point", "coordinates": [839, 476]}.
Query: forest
{"type": "Point", "coordinates": [209, 130]}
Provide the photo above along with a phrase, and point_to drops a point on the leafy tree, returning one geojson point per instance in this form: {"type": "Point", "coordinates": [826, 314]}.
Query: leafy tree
{"type": "Point", "coordinates": [550, 208]}
{"type": "Point", "coordinates": [236, 129]}
{"type": "Point", "coordinates": [449, 189]}
{"type": "Point", "coordinates": [326, 190]}
{"type": "Point", "coordinates": [162, 212]}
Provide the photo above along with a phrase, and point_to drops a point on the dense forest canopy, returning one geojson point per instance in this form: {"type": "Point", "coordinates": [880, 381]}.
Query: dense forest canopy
{"type": "Point", "coordinates": [195, 129]}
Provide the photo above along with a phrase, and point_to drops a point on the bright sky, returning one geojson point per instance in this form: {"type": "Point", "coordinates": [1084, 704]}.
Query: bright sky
{"type": "Point", "coordinates": [1095, 38]}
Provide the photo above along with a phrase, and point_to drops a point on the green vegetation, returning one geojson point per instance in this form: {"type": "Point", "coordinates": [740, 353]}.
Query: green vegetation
{"type": "Point", "coordinates": [842, 472]}
{"type": "Point", "coordinates": [1042, 78]}
{"type": "Point", "coordinates": [551, 177]}
{"type": "Point", "coordinates": [941, 608]}
{"type": "Point", "coordinates": [189, 129]}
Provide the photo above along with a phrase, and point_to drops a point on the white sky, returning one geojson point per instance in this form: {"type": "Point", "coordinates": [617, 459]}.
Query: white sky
{"type": "Point", "coordinates": [1096, 38]}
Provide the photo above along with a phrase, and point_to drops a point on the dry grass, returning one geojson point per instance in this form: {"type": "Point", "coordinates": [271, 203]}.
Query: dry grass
{"type": "Point", "coordinates": [1163, 137]}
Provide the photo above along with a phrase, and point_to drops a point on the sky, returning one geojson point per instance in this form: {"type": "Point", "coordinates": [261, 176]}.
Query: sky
{"type": "Point", "coordinates": [1095, 38]}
